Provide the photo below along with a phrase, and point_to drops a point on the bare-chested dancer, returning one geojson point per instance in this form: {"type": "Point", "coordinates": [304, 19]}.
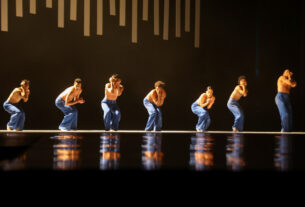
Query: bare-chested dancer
{"type": "Point", "coordinates": [282, 100]}
{"type": "Point", "coordinates": [200, 108]}
{"type": "Point", "coordinates": [11, 105]}
{"type": "Point", "coordinates": [233, 105]}
{"type": "Point", "coordinates": [112, 114]}
{"type": "Point", "coordinates": [152, 102]}
{"type": "Point", "coordinates": [66, 102]}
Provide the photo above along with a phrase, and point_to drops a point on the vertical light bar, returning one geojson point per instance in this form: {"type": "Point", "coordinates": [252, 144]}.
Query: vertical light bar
{"type": "Point", "coordinates": [19, 8]}
{"type": "Point", "coordinates": [178, 18]}
{"type": "Point", "coordinates": [49, 4]}
{"type": "Point", "coordinates": [145, 10]}
{"type": "Point", "coordinates": [87, 18]}
{"type": "Point", "coordinates": [61, 13]}
{"type": "Point", "coordinates": [134, 24]}
{"type": "Point", "coordinates": [73, 10]}
{"type": "Point", "coordinates": [4, 16]}
{"type": "Point", "coordinates": [156, 17]}
{"type": "Point", "coordinates": [122, 13]}
{"type": "Point", "coordinates": [166, 19]}
{"type": "Point", "coordinates": [187, 15]}
{"type": "Point", "coordinates": [112, 7]}
{"type": "Point", "coordinates": [32, 6]}
{"type": "Point", "coordinates": [99, 17]}
{"type": "Point", "coordinates": [197, 23]}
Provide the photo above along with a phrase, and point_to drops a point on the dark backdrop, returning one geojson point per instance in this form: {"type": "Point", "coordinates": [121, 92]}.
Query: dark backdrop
{"type": "Point", "coordinates": [253, 38]}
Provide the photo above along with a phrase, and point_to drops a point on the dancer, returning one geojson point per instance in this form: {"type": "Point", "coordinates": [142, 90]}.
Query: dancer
{"type": "Point", "coordinates": [66, 102]}
{"type": "Point", "coordinates": [234, 106]}
{"type": "Point", "coordinates": [12, 106]}
{"type": "Point", "coordinates": [282, 100]}
{"type": "Point", "coordinates": [112, 114]}
{"type": "Point", "coordinates": [200, 108]}
{"type": "Point", "coordinates": [152, 102]}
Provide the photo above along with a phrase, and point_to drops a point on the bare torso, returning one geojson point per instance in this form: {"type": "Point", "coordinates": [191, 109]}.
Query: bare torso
{"type": "Point", "coordinates": [113, 93]}
{"type": "Point", "coordinates": [17, 94]}
{"type": "Point", "coordinates": [237, 93]}
{"type": "Point", "coordinates": [283, 85]}
{"type": "Point", "coordinates": [205, 101]}
{"type": "Point", "coordinates": [72, 93]}
{"type": "Point", "coordinates": [153, 97]}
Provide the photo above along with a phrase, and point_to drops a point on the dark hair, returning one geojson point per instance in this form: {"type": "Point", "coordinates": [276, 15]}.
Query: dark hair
{"type": "Point", "coordinates": [26, 81]}
{"type": "Point", "coordinates": [159, 84]}
{"type": "Point", "coordinates": [241, 78]}
{"type": "Point", "coordinates": [78, 80]}
{"type": "Point", "coordinates": [209, 87]}
{"type": "Point", "coordinates": [115, 76]}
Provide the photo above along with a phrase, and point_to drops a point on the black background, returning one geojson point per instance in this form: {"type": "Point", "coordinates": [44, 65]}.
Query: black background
{"type": "Point", "coordinates": [253, 38]}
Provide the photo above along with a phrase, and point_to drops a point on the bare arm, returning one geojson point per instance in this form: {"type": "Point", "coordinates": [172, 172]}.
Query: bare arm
{"type": "Point", "coordinates": [161, 98]}
{"type": "Point", "coordinates": [288, 82]}
{"type": "Point", "coordinates": [121, 89]}
{"type": "Point", "coordinates": [242, 90]}
{"type": "Point", "coordinates": [211, 102]}
{"type": "Point", "coordinates": [203, 101]}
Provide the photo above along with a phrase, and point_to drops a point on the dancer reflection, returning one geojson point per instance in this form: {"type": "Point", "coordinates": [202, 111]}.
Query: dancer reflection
{"type": "Point", "coordinates": [282, 99]}
{"type": "Point", "coordinates": [152, 155]}
{"type": "Point", "coordinates": [66, 152]}
{"type": "Point", "coordinates": [153, 102]}
{"type": "Point", "coordinates": [12, 106]}
{"type": "Point", "coordinates": [201, 152]}
{"type": "Point", "coordinates": [200, 108]}
{"type": "Point", "coordinates": [283, 152]}
{"type": "Point", "coordinates": [235, 152]}
{"type": "Point", "coordinates": [112, 113]}
{"type": "Point", "coordinates": [66, 102]}
{"type": "Point", "coordinates": [109, 151]}
{"type": "Point", "coordinates": [233, 104]}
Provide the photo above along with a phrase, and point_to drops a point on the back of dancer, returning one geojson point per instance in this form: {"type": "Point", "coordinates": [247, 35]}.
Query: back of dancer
{"type": "Point", "coordinates": [200, 108]}
{"type": "Point", "coordinates": [66, 102]}
{"type": "Point", "coordinates": [12, 106]}
{"type": "Point", "coordinates": [233, 105]}
{"type": "Point", "coordinates": [282, 99]}
{"type": "Point", "coordinates": [153, 102]}
{"type": "Point", "coordinates": [112, 113]}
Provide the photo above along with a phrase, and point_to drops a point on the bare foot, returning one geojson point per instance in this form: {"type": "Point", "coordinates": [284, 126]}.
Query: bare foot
{"type": "Point", "coordinates": [199, 130]}
{"type": "Point", "coordinates": [235, 130]}
{"type": "Point", "coordinates": [9, 128]}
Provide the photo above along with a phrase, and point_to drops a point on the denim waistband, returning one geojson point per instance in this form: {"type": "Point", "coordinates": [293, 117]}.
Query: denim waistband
{"type": "Point", "coordinates": [283, 94]}
{"type": "Point", "coordinates": [232, 100]}
{"type": "Point", "coordinates": [59, 99]}
{"type": "Point", "coordinates": [7, 102]}
{"type": "Point", "coordinates": [105, 100]}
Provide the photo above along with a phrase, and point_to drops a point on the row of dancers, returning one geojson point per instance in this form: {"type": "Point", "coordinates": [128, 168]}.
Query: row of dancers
{"type": "Point", "coordinates": [70, 97]}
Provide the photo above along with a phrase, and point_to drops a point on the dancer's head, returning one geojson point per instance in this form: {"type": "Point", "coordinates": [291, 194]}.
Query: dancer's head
{"type": "Point", "coordinates": [287, 73]}
{"type": "Point", "coordinates": [115, 78]}
{"type": "Point", "coordinates": [25, 83]}
{"type": "Point", "coordinates": [209, 91]}
{"type": "Point", "coordinates": [78, 83]}
{"type": "Point", "coordinates": [242, 80]}
{"type": "Point", "coordinates": [159, 86]}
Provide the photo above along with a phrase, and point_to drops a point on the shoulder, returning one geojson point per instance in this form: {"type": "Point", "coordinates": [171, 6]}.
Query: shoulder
{"type": "Point", "coordinates": [16, 90]}
{"type": "Point", "coordinates": [107, 85]}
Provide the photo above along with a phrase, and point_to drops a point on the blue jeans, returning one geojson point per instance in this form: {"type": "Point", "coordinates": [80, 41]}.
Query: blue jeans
{"type": "Point", "coordinates": [17, 115]}
{"type": "Point", "coordinates": [282, 101]}
{"type": "Point", "coordinates": [154, 121]}
{"type": "Point", "coordinates": [204, 119]}
{"type": "Point", "coordinates": [70, 119]}
{"type": "Point", "coordinates": [112, 114]}
{"type": "Point", "coordinates": [238, 113]}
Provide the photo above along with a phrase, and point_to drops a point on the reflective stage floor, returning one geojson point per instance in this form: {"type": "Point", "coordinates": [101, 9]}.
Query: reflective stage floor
{"type": "Point", "coordinates": [187, 151]}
